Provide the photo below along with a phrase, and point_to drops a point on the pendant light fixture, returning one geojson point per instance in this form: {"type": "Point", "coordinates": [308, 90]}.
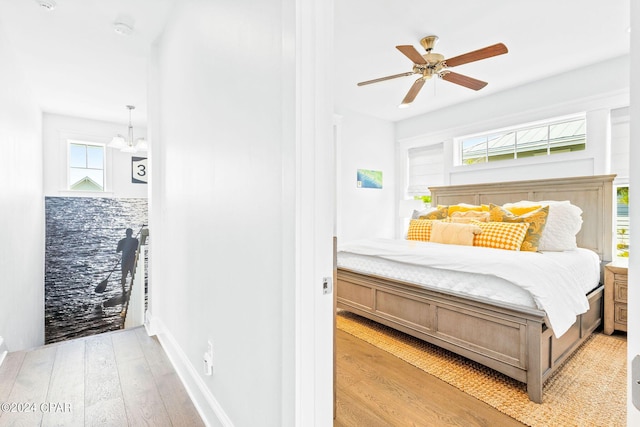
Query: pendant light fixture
{"type": "Point", "coordinates": [127, 144]}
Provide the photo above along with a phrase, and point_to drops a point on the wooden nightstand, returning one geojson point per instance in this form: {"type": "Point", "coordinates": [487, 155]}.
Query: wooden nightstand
{"type": "Point", "coordinates": [615, 296]}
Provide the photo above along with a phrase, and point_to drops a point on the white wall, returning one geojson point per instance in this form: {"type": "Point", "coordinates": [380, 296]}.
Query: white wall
{"type": "Point", "coordinates": [58, 129]}
{"type": "Point", "coordinates": [594, 90]}
{"type": "Point", "coordinates": [228, 251]}
{"type": "Point", "coordinates": [21, 209]}
{"type": "Point", "coordinates": [633, 337]}
{"type": "Point", "coordinates": [365, 143]}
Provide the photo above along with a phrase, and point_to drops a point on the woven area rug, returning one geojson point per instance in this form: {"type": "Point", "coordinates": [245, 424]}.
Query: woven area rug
{"type": "Point", "coordinates": [588, 390]}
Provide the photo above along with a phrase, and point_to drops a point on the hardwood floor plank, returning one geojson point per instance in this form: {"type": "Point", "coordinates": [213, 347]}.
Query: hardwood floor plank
{"type": "Point", "coordinates": [119, 378]}
{"type": "Point", "coordinates": [176, 399]}
{"type": "Point", "coordinates": [377, 388]}
{"type": "Point", "coordinates": [156, 357]}
{"type": "Point", "coordinates": [8, 373]}
{"type": "Point", "coordinates": [64, 405]}
{"type": "Point", "coordinates": [143, 403]}
{"type": "Point", "coordinates": [126, 346]}
{"type": "Point", "coordinates": [30, 388]}
{"type": "Point", "coordinates": [104, 403]}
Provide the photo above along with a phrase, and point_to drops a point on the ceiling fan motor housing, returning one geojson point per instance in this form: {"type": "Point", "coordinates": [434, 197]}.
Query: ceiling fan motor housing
{"type": "Point", "coordinates": [429, 42]}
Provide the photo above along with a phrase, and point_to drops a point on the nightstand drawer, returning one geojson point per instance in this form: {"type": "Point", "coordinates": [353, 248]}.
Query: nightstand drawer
{"type": "Point", "coordinates": [620, 291]}
{"type": "Point", "coordinates": [620, 315]}
{"type": "Point", "coordinates": [615, 296]}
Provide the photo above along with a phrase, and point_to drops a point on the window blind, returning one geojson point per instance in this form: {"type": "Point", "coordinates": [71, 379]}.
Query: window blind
{"type": "Point", "coordinates": [620, 136]}
{"type": "Point", "coordinates": [426, 169]}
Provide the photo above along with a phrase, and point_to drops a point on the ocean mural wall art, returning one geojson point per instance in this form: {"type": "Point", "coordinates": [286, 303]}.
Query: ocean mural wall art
{"type": "Point", "coordinates": [82, 235]}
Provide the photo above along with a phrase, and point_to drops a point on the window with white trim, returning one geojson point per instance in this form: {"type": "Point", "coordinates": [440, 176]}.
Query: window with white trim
{"type": "Point", "coordinates": [620, 140]}
{"type": "Point", "coordinates": [426, 169]}
{"type": "Point", "coordinates": [86, 166]}
{"type": "Point", "coordinates": [539, 139]}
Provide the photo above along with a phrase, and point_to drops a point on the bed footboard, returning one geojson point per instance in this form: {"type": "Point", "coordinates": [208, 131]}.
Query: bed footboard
{"type": "Point", "coordinates": [511, 340]}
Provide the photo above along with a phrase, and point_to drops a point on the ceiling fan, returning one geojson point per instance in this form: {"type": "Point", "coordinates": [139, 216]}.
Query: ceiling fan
{"type": "Point", "coordinates": [433, 64]}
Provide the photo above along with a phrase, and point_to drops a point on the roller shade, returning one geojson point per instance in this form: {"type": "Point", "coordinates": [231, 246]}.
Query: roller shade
{"type": "Point", "coordinates": [425, 169]}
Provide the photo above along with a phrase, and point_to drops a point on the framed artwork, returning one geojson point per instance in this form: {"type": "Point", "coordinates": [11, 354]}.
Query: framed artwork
{"type": "Point", "coordinates": [139, 170]}
{"type": "Point", "coordinates": [369, 178]}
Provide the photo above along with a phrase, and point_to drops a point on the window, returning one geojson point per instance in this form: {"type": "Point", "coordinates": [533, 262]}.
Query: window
{"type": "Point", "coordinates": [622, 222]}
{"type": "Point", "coordinates": [559, 136]}
{"type": "Point", "coordinates": [620, 141]}
{"type": "Point", "coordinates": [86, 166]}
{"type": "Point", "coordinates": [425, 169]}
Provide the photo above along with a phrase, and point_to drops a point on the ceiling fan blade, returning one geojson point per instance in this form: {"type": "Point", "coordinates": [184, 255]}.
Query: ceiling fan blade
{"type": "Point", "coordinates": [411, 53]}
{"type": "Point", "coordinates": [463, 80]}
{"type": "Point", "coordinates": [476, 55]}
{"type": "Point", "coordinates": [381, 79]}
{"type": "Point", "coordinates": [413, 92]}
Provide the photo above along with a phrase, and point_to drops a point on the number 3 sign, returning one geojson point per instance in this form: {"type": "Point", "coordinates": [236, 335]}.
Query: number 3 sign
{"type": "Point", "coordinates": [139, 170]}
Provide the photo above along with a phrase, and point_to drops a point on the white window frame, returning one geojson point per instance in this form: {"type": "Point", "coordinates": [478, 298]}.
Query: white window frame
{"type": "Point", "coordinates": [458, 141]}
{"type": "Point", "coordinates": [104, 162]}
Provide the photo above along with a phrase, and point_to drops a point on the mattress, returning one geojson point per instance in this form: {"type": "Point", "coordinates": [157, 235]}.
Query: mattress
{"type": "Point", "coordinates": [555, 282]}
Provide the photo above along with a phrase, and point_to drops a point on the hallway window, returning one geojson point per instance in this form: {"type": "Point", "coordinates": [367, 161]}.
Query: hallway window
{"type": "Point", "coordinates": [86, 166]}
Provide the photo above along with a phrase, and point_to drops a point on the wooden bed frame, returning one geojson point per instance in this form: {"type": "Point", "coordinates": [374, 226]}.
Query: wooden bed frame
{"type": "Point", "coordinates": [510, 339]}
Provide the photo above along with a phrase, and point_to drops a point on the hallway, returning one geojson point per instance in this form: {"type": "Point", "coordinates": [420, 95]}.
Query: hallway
{"type": "Point", "coordinates": [114, 379]}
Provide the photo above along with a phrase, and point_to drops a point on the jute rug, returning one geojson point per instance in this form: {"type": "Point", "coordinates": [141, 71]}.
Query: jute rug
{"type": "Point", "coordinates": [588, 390]}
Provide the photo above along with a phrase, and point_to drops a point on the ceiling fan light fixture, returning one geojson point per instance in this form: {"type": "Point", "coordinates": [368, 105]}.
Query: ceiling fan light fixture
{"type": "Point", "coordinates": [434, 64]}
{"type": "Point", "coordinates": [47, 4]}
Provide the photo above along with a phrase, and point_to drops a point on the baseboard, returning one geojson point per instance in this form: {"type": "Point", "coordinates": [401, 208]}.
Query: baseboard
{"type": "Point", "coordinates": [208, 407]}
{"type": "Point", "coordinates": [3, 350]}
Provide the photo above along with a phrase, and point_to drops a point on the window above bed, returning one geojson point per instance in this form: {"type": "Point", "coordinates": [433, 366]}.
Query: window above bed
{"type": "Point", "coordinates": [534, 139]}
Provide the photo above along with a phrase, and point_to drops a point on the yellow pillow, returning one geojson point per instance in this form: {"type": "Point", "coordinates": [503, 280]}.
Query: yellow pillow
{"type": "Point", "coordinates": [464, 207]}
{"type": "Point", "coordinates": [420, 229]}
{"type": "Point", "coordinates": [537, 219]}
{"type": "Point", "coordinates": [453, 234]}
{"type": "Point", "coordinates": [468, 216]}
{"type": "Point", "coordinates": [521, 210]}
{"type": "Point", "coordinates": [500, 235]}
{"type": "Point", "coordinates": [440, 213]}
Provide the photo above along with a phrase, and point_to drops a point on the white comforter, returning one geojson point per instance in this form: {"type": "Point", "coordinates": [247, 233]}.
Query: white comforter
{"type": "Point", "coordinates": [557, 281]}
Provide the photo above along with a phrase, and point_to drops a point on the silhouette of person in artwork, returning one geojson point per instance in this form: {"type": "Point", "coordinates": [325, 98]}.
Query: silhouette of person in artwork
{"type": "Point", "coordinates": [128, 247]}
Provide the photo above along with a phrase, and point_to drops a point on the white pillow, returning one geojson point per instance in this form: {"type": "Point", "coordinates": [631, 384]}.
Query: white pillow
{"type": "Point", "coordinates": [563, 223]}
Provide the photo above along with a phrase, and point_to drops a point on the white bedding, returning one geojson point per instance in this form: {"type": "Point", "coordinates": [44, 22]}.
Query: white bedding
{"type": "Point", "coordinates": [556, 282]}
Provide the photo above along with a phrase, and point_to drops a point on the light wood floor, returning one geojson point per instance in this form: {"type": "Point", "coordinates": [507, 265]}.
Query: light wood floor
{"type": "Point", "coordinates": [375, 388]}
{"type": "Point", "coordinates": [115, 379]}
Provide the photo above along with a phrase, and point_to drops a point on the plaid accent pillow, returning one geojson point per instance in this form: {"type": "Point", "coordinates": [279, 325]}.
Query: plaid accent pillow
{"type": "Point", "coordinates": [537, 219]}
{"type": "Point", "coordinates": [501, 235]}
{"type": "Point", "coordinates": [420, 229]}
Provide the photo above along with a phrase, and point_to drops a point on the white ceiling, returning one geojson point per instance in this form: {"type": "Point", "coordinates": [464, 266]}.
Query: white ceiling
{"type": "Point", "coordinates": [544, 37]}
{"type": "Point", "coordinates": [77, 65]}
{"type": "Point", "coordinates": [74, 60]}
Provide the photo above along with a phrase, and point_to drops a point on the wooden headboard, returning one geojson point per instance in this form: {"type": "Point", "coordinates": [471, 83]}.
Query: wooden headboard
{"type": "Point", "coordinates": [593, 194]}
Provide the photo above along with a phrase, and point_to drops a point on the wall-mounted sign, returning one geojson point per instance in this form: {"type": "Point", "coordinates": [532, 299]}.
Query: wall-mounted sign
{"type": "Point", "coordinates": [139, 170]}
{"type": "Point", "coordinates": [369, 179]}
